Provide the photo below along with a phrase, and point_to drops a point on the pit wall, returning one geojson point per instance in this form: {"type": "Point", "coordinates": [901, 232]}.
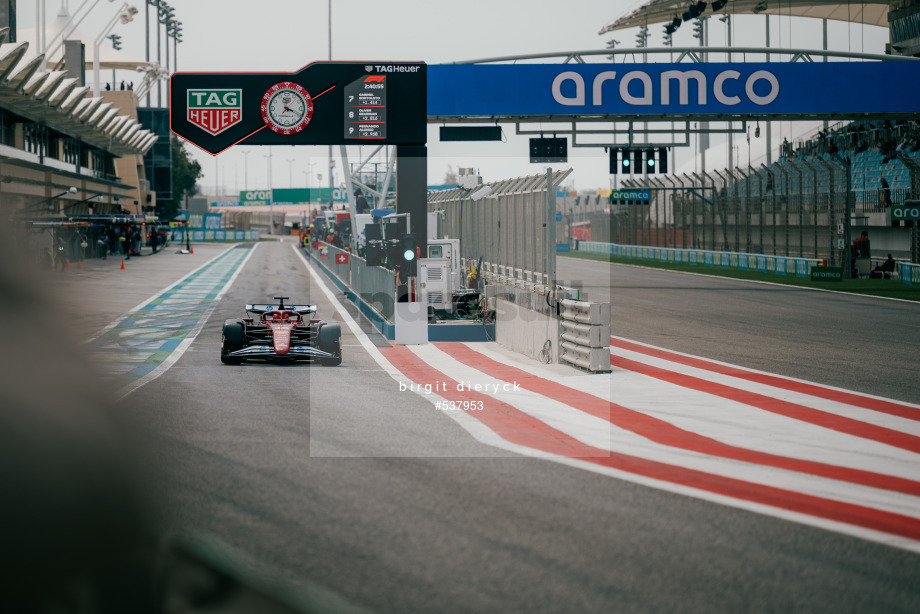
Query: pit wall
{"type": "Point", "coordinates": [525, 319]}
{"type": "Point", "coordinates": [201, 236]}
{"type": "Point", "coordinates": [373, 291]}
{"type": "Point", "coordinates": [909, 273]}
{"type": "Point", "coordinates": [527, 332]}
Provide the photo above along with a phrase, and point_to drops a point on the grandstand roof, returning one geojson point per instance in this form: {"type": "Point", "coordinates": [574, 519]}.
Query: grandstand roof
{"type": "Point", "coordinates": [870, 12]}
{"type": "Point", "coordinates": [62, 103]}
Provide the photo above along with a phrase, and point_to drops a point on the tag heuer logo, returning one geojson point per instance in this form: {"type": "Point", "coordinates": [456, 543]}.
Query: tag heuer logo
{"type": "Point", "coordinates": [215, 110]}
{"type": "Point", "coordinates": [369, 68]}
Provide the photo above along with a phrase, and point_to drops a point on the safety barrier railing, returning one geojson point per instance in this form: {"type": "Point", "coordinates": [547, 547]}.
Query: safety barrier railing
{"type": "Point", "coordinates": [507, 223]}
{"type": "Point", "coordinates": [762, 263]}
{"type": "Point", "coordinates": [376, 286]}
{"type": "Point", "coordinates": [909, 273]}
{"type": "Point", "coordinates": [510, 276]}
{"type": "Point", "coordinates": [585, 335]}
{"type": "Point", "coordinates": [200, 236]}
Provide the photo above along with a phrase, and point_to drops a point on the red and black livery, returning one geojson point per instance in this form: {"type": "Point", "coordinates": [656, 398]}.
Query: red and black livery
{"type": "Point", "coordinates": [281, 333]}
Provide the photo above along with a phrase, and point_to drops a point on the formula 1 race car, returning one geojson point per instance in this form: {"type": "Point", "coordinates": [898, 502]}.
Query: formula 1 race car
{"type": "Point", "coordinates": [281, 333]}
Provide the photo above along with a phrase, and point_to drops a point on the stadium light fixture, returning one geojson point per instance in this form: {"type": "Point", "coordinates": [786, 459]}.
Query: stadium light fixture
{"type": "Point", "coordinates": [125, 14]}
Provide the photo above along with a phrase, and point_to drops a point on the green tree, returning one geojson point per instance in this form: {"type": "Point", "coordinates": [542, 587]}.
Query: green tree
{"type": "Point", "coordinates": [185, 173]}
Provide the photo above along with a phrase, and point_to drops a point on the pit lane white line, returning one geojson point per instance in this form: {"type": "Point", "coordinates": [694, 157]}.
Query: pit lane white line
{"type": "Point", "coordinates": [121, 319]}
{"type": "Point", "coordinates": [193, 334]}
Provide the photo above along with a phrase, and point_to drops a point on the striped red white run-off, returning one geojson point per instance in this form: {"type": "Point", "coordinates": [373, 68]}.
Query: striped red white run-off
{"type": "Point", "coordinates": [823, 456]}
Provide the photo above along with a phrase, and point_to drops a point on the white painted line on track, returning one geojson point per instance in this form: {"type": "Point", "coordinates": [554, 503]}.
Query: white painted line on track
{"type": "Point", "coordinates": [599, 433]}
{"type": "Point", "coordinates": [170, 360]}
{"type": "Point", "coordinates": [814, 486]}
{"type": "Point", "coordinates": [639, 384]}
{"type": "Point", "coordinates": [359, 334]}
{"type": "Point", "coordinates": [121, 319]}
{"type": "Point", "coordinates": [474, 427]}
{"type": "Point", "coordinates": [755, 371]}
{"type": "Point", "coordinates": [739, 424]}
{"type": "Point", "coordinates": [758, 508]}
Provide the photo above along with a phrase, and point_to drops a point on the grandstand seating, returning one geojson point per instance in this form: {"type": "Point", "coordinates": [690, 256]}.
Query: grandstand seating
{"type": "Point", "coordinates": [867, 171]}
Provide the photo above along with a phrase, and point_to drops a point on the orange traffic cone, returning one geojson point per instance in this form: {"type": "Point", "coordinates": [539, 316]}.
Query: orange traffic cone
{"type": "Point", "coordinates": [122, 265]}
{"type": "Point", "coordinates": [79, 264]}
{"type": "Point", "coordinates": [191, 249]}
{"type": "Point", "coordinates": [68, 265]}
{"type": "Point", "coordinates": [60, 265]}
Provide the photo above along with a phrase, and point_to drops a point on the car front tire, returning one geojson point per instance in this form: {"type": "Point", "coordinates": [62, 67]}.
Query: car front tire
{"type": "Point", "coordinates": [233, 339]}
{"type": "Point", "coordinates": [330, 340]}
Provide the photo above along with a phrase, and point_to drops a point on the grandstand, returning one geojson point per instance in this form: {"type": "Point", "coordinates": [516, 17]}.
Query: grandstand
{"type": "Point", "coordinates": [805, 197]}
{"type": "Point", "coordinates": [792, 207]}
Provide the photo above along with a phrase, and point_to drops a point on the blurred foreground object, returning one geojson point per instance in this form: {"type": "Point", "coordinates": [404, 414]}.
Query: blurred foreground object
{"type": "Point", "coordinates": [74, 532]}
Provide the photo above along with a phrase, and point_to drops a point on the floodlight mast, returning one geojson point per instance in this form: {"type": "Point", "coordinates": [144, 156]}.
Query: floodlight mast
{"type": "Point", "coordinates": [65, 31]}
{"type": "Point", "coordinates": [125, 14]}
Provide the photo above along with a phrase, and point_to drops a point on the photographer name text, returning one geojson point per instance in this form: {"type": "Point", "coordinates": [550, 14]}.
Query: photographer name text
{"type": "Point", "coordinates": [460, 387]}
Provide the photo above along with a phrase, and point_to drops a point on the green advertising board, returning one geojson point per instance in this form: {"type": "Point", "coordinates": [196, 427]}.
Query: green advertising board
{"type": "Point", "coordinates": [827, 273]}
{"type": "Point", "coordinates": [906, 212]}
{"type": "Point", "coordinates": [293, 196]}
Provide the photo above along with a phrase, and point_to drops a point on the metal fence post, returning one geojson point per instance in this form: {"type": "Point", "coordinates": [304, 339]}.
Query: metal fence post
{"type": "Point", "coordinates": [736, 209]}
{"type": "Point", "coordinates": [720, 200]}
{"type": "Point", "coordinates": [660, 211]}
{"type": "Point", "coordinates": [761, 211]}
{"type": "Point", "coordinates": [748, 242]}
{"type": "Point", "coordinates": [549, 224]}
{"type": "Point", "coordinates": [690, 203]}
{"type": "Point", "coordinates": [832, 213]}
{"type": "Point", "coordinates": [814, 171]}
{"type": "Point", "coordinates": [801, 207]}
{"type": "Point", "coordinates": [784, 205]}
{"type": "Point", "coordinates": [673, 193]}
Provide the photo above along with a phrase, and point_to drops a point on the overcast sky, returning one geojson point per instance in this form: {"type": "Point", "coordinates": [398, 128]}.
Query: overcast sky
{"type": "Point", "coordinates": [273, 36]}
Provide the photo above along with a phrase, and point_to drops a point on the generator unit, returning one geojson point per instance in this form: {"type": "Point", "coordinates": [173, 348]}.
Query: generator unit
{"type": "Point", "coordinates": [442, 283]}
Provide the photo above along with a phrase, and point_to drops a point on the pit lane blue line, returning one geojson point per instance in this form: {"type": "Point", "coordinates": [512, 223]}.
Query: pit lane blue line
{"type": "Point", "coordinates": [148, 340]}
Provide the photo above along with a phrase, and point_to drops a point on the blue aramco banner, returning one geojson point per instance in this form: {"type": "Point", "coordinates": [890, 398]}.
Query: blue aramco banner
{"type": "Point", "coordinates": [661, 89]}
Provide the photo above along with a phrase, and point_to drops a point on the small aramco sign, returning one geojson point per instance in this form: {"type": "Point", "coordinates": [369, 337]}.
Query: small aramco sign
{"type": "Point", "coordinates": [907, 212]}
{"type": "Point", "coordinates": [642, 196]}
{"type": "Point", "coordinates": [827, 273]}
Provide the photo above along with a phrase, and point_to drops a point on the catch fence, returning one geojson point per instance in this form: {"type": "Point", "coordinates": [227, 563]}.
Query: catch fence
{"type": "Point", "coordinates": [514, 227]}
{"type": "Point", "coordinates": [794, 208]}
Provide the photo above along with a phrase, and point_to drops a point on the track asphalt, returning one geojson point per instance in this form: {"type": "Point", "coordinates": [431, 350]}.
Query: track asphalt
{"type": "Point", "coordinates": [792, 449]}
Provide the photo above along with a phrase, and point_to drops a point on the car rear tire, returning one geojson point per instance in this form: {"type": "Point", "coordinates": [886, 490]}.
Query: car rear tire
{"type": "Point", "coordinates": [234, 338]}
{"type": "Point", "coordinates": [330, 340]}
